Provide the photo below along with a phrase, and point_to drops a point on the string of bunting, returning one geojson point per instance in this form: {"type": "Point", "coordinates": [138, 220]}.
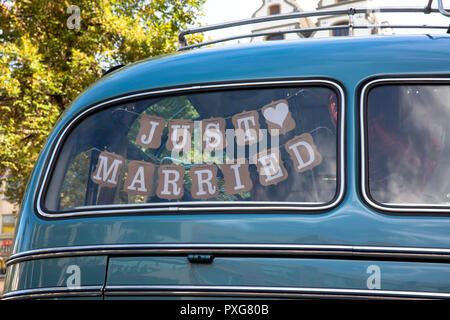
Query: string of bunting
{"type": "Point", "coordinates": [169, 183]}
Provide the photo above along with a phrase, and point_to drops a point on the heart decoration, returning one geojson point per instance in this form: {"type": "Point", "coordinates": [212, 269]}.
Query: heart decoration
{"type": "Point", "coordinates": [278, 117]}
{"type": "Point", "coordinates": [277, 114]}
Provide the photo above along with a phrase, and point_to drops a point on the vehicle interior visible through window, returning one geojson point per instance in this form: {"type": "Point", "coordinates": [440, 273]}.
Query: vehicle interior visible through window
{"type": "Point", "coordinates": [408, 144]}
{"type": "Point", "coordinates": [315, 113]}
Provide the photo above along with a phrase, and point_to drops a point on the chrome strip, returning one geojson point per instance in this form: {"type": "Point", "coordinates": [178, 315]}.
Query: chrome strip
{"type": "Point", "coordinates": [304, 14]}
{"type": "Point", "coordinates": [200, 205]}
{"type": "Point", "coordinates": [190, 290]}
{"type": "Point", "coordinates": [429, 208]}
{"type": "Point", "coordinates": [442, 9]}
{"type": "Point", "coordinates": [299, 30]}
{"type": "Point", "coordinates": [233, 249]}
{"type": "Point", "coordinates": [194, 290]}
{"type": "Point", "coordinates": [53, 292]}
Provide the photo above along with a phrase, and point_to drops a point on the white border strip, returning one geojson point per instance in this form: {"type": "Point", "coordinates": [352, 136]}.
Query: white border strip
{"type": "Point", "coordinates": [205, 205]}
{"type": "Point", "coordinates": [429, 208]}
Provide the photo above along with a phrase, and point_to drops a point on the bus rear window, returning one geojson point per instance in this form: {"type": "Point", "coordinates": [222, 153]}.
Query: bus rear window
{"type": "Point", "coordinates": [264, 146]}
{"type": "Point", "coordinates": [408, 144]}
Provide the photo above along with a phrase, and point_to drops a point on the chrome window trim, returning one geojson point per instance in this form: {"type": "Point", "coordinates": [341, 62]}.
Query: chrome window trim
{"type": "Point", "coordinates": [250, 249]}
{"type": "Point", "coordinates": [392, 207]}
{"type": "Point", "coordinates": [54, 292]}
{"type": "Point", "coordinates": [200, 206]}
{"type": "Point", "coordinates": [195, 290]}
{"type": "Point", "coordinates": [223, 291]}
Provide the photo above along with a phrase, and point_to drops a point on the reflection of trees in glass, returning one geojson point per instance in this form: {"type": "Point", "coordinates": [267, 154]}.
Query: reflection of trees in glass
{"type": "Point", "coordinates": [177, 108]}
{"type": "Point", "coordinates": [170, 108]}
{"type": "Point", "coordinates": [309, 110]}
{"type": "Point", "coordinates": [73, 190]}
{"type": "Point", "coordinates": [44, 65]}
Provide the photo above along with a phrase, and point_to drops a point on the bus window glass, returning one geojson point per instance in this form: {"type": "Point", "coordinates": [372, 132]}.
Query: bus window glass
{"type": "Point", "coordinates": [253, 145]}
{"type": "Point", "coordinates": [408, 154]}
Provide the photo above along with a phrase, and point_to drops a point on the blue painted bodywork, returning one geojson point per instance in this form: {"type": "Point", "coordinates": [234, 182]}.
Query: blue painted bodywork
{"type": "Point", "coordinates": [304, 273]}
{"type": "Point", "coordinates": [350, 61]}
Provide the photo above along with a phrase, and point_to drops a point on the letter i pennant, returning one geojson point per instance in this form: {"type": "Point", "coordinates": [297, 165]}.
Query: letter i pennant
{"type": "Point", "coordinates": [237, 178]}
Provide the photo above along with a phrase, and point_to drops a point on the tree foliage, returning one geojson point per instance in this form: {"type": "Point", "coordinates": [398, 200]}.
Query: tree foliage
{"type": "Point", "coordinates": [45, 61]}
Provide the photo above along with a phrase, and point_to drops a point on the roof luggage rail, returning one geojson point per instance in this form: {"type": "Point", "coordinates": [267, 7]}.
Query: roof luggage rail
{"type": "Point", "coordinates": [183, 44]}
{"type": "Point", "coordinates": [441, 8]}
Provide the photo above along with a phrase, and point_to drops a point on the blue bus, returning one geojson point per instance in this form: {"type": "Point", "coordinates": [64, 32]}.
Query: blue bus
{"type": "Point", "coordinates": [281, 169]}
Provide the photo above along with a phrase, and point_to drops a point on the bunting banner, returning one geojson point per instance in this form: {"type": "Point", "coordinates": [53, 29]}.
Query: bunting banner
{"type": "Point", "coordinates": [237, 178]}
{"type": "Point", "coordinates": [214, 137]}
{"type": "Point", "coordinates": [204, 181]}
{"type": "Point", "coordinates": [180, 135]}
{"type": "Point", "coordinates": [270, 167]}
{"type": "Point", "coordinates": [278, 117]}
{"type": "Point", "coordinates": [246, 126]}
{"type": "Point", "coordinates": [168, 184]}
{"type": "Point", "coordinates": [108, 169]}
{"type": "Point", "coordinates": [150, 131]}
{"type": "Point", "coordinates": [303, 152]}
{"type": "Point", "coordinates": [139, 178]}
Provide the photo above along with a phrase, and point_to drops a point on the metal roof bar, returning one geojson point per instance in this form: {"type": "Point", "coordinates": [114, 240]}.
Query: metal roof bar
{"type": "Point", "coordinates": [294, 15]}
{"type": "Point", "coordinates": [442, 10]}
{"type": "Point", "coordinates": [344, 26]}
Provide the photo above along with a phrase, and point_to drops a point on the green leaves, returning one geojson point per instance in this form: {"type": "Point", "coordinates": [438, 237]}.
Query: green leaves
{"type": "Point", "coordinates": [44, 65]}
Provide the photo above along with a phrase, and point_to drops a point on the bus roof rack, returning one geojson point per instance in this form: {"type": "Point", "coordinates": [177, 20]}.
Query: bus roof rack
{"type": "Point", "coordinates": [183, 44]}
